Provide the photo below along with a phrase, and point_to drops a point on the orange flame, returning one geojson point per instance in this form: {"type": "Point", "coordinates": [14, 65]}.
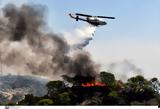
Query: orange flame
{"type": "Point", "coordinates": [94, 83]}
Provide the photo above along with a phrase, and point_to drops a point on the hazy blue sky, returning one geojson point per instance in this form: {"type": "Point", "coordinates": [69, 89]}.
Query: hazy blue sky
{"type": "Point", "coordinates": [134, 35]}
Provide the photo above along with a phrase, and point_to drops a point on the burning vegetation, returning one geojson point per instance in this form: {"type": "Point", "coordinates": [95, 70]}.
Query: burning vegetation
{"type": "Point", "coordinates": [27, 49]}
{"type": "Point", "coordinates": [93, 83]}
{"type": "Point", "coordinates": [108, 91]}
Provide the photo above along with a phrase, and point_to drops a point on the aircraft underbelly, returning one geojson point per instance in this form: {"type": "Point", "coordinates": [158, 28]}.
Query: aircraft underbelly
{"type": "Point", "coordinates": [94, 23]}
{"type": "Point", "coordinates": [97, 23]}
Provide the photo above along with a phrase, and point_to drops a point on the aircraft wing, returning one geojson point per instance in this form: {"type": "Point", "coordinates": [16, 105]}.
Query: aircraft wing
{"type": "Point", "coordinates": [106, 17]}
{"type": "Point", "coordinates": [78, 14]}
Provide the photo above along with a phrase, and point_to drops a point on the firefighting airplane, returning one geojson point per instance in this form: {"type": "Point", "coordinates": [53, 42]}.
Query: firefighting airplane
{"type": "Point", "coordinates": [93, 20]}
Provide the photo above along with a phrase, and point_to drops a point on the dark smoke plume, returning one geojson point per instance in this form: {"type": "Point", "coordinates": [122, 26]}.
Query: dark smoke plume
{"type": "Point", "coordinates": [26, 48]}
{"type": "Point", "coordinates": [83, 65]}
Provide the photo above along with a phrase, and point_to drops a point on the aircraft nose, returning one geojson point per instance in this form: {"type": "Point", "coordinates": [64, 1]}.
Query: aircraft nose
{"type": "Point", "coordinates": [72, 15]}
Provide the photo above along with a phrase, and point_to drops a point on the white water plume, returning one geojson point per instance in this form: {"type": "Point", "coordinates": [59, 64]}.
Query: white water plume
{"type": "Point", "coordinates": [80, 37]}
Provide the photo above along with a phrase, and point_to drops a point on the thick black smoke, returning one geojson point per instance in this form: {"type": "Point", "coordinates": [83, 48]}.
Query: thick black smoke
{"type": "Point", "coordinates": [24, 22]}
{"type": "Point", "coordinates": [26, 48]}
{"type": "Point", "coordinates": [83, 65]}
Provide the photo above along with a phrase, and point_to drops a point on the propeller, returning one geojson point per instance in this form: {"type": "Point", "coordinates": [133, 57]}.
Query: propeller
{"type": "Point", "coordinates": [106, 17]}
{"type": "Point", "coordinates": [83, 15]}
{"type": "Point", "coordinates": [79, 14]}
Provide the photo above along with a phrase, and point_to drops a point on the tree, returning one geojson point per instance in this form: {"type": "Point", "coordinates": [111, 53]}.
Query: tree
{"type": "Point", "coordinates": [95, 100]}
{"type": "Point", "coordinates": [109, 79]}
{"type": "Point", "coordinates": [138, 80]}
{"type": "Point", "coordinates": [29, 100]}
{"type": "Point", "coordinates": [45, 102]}
{"type": "Point", "coordinates": [155, 84]}
{"type": "Point", "coordinates": [137, 103]}
{"type": "Point", "coordinates": [137, 89]}
{"type": "Point", "coordinates": [119, 85]}
{"type": "Point", "coordinates": [11, 104]}
{"type": "Point", "coordinates": [55, 87]}
{"type": "Point", "coordinates": [64, 98]}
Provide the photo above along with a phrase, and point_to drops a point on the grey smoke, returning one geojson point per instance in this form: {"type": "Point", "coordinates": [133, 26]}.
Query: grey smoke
{"type": "Point", "coordinates": [26, 48]}
{"type": "Point", "coordinates": [124, 69]}
{"type": "Point", "coordinates": [83, 65]}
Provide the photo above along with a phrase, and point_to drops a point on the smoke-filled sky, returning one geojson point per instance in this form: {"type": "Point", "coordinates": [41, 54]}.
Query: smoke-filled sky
{"type": "Point", "coordinates": [132, 37]}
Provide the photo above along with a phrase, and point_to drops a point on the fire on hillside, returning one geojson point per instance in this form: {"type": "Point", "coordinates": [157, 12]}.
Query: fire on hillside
{"type": "Point", "coordinates": [93, 83]}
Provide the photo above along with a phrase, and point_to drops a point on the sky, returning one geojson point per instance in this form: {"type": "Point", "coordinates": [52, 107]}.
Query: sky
{"type": "Point", "coordinates": [133, 36]}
